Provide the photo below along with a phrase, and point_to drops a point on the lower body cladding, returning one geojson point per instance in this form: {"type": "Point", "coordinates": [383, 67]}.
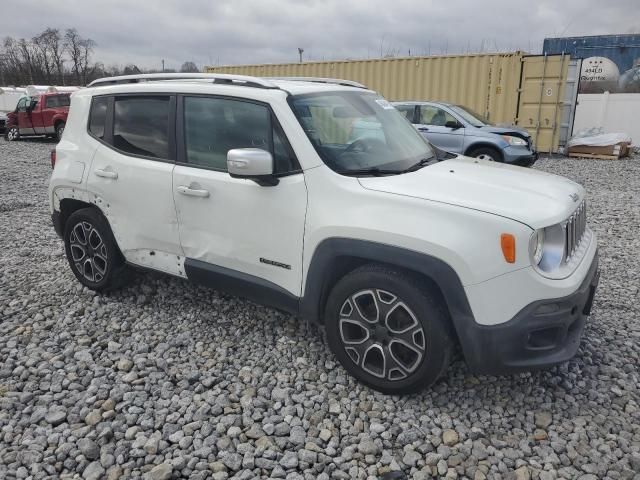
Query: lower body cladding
{"type": "Point", "coordinates": [544, 333]}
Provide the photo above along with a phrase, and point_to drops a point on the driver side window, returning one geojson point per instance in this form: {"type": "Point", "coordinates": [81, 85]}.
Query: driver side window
{"type": "Point", "coordinates": [430, 115]}
{"type": "Point", "coordinates": [22, 105]}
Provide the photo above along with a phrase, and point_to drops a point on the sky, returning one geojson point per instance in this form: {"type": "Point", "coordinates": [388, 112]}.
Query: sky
{"type": "Point", "coordinates": [234, 32]}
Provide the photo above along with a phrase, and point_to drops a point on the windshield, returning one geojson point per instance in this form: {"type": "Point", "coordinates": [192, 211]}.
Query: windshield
{"type": "Point", "coordinates": [356, 131]}
{"type": "Point", "coordinates": [470, 116]}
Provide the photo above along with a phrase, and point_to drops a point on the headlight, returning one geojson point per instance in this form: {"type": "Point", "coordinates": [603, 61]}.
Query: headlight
{"type": "Point", "coordinates": [514, 140]}
{"type": "Point", "coordinates": [546, 248]}
{"type": "Point", "coordinates": [536, 246]}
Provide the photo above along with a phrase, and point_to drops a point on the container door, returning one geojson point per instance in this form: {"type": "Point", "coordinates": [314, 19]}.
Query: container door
{"type": "Point", "coordinates": [545, 87]}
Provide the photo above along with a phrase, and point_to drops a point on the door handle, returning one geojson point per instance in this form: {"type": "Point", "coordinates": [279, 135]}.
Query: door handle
{"type": "Point", "coordinates": [192, 192]}
{"type": "Point", "coordinates": [423, 129]}
{"type": "Point", "coordinates": [106, 173]}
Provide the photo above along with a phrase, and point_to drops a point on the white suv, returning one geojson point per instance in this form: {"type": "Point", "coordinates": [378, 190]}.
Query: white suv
{"type": "Point", "coordinates": [264, 188]}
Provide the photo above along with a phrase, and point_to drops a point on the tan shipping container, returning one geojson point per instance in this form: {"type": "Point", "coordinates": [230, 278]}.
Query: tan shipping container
{"type": "Point", "coordinates": [535, 92]}
{"type": "Point", "coordinates": [486, 83]}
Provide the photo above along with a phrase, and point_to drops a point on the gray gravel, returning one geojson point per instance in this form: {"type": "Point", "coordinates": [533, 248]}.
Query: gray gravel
{"type": "Point", "coordinates": [168, 380]}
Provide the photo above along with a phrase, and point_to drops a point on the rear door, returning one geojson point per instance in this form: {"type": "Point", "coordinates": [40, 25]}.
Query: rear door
{"type": "Point", "coordinates": [232, 227]}
{"type": "Point", "coordinates": [432, 122]}
{"type": "Point", "coordinates": [131, 176]}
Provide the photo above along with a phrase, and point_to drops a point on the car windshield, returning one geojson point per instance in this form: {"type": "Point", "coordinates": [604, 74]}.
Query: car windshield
{"type": "Point", "coordinates": [470, 116]}
{"type": "Point", "coordinates": [360, 132]}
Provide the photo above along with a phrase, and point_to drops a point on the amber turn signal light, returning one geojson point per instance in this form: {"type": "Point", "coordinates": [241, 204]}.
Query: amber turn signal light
{"type": "Point", "coordinates": [508, 245]}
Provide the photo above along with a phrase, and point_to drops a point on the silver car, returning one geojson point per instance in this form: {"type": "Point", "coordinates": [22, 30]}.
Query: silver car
{"type": "Point", "coordinates": [457, 129]}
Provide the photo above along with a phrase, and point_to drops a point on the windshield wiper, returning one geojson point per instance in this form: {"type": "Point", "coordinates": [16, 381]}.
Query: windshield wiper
{"type": "Point", "coordinates": [422, 163]}
{"type": "Point", "coordinates": [373, 171]}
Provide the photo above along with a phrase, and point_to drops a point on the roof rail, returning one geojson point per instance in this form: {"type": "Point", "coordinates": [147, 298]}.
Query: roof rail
{"type": "Point", "coordinates": [223, 78]}
{"type": "Point", "coordinates": [335, 81]}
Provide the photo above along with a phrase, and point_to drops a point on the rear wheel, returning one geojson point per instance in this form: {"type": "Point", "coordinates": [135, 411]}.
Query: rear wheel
{"type": "Point", "coordinates": [387, 330]}
{"type": "Point", "coordinates": [12, 134]}
{"type": "Point", "coordinates": [59, 130]}
{"type": "Point", "coordinates": [92, 252]}
{"type": "Point", "coordinates": [486, 153]}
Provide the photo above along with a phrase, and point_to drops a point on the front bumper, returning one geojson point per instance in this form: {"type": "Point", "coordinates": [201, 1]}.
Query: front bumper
{"type": "Point", "coordinates": [544, 333]}
{"type": "Point", "coordinates": [520, 156]}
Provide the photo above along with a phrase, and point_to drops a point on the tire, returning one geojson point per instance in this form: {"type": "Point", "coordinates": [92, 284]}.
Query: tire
{"type": "Point", "coordinates": [92, 252]}
{"type": "Point", "coordinates": [387, 330]}
{"type": "Point", "coordinates": [12, 134]}
{"type": "Point", "coordinates": [486, 153]}
{"type": "Point", "coordinates": [59, 130]}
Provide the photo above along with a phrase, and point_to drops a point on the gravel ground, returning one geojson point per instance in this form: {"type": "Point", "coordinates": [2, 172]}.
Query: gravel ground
{"type": "Point", "coordinates": [168, 380]}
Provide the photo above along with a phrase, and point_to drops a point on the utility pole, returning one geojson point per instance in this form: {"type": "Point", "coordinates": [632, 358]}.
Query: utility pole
{"type": "Point", "coordinates": [163, 65]}
{"type": "Point", "coordinates": [300, 52]}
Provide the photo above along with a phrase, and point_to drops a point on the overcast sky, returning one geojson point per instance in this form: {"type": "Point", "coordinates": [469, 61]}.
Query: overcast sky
{"type": "Point", "coordinates": [270, 31]}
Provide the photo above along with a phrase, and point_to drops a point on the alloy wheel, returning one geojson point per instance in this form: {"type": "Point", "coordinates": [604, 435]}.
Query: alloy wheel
{"type": "Point", "coordinates": [12, 134]}
{"type": "Point", "coordinates": [485, 156]}
{"type": "Point", "coordinates": [381, 334]}
{"type": "Point", "coordinates": [88, 252]}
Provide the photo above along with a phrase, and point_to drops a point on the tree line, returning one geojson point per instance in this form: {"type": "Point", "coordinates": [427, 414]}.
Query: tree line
{"type": "Point", "coordinates": [55, 57]}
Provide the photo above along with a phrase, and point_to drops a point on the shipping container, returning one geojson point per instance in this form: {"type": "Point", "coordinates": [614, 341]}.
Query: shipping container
{"type": "Point", "coordinates": [609, 62]}
{"type": "Point", "coordinates": [535, 92]}
{"type": "Point", "coordinates": [486, 83]}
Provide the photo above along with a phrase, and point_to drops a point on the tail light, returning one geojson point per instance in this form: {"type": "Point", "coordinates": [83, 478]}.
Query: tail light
{"type": "Point", "coordinates": [53, 158]}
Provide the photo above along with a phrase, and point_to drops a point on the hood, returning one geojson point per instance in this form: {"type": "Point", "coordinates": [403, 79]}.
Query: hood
{"type": "Point", "coordinates": [506, 130]}
{"type": "Point", "coordinates": [534, 198]}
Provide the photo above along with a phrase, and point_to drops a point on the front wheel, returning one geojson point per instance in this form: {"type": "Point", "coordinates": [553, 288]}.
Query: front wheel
{"type": "Point", "coordinates": [92, 252]}
{"type": "Point", "coordinates": [387, 330]}
{"type": "Point", "coordinates": [486, 153]}
{"type": "Point", "coordinates": [13, 134]}
{"type": "Point", "coordinates": [59, 130]}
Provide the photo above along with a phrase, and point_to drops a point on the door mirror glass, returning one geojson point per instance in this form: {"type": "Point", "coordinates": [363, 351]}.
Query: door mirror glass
{"type": "Point", "coordinates": [253, 163]}
{"type": "Point", "coordinates": [453, 124]}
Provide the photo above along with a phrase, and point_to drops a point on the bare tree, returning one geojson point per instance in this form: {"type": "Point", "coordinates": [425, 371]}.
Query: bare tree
{"type": "Point", "coordinates": [189, 67]}
{"type": "Point", "coordinates": [55, 48]}
{"type": "Point", "coordinates": [41, 54]}
{"type": "Point", "coordinates": [26, 52]}
{"type": "Point", "coordinates": [86, 49]}
{"type": "Point", "coordinates": [79, 50]}
{"type": "Point", "coordinates": [72, 45]}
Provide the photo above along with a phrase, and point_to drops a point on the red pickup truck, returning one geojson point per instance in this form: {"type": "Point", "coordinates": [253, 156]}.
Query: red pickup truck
{"type": "Point", "coordinates": [45, 114]}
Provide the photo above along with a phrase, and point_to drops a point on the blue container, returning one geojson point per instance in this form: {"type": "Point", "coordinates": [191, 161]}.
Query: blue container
{"type": "Point", "coordinates": [610, 62]}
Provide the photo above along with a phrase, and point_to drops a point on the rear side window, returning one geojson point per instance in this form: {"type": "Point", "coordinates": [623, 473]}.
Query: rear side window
{"type": "Point", "coordinates": [57, 101]}
{"type": "Point", "coordinates": [98, 116]}
{"type": "Point", "coordinates": [141, 126]}
{"type": "Point", "coordinates": [213, 126]}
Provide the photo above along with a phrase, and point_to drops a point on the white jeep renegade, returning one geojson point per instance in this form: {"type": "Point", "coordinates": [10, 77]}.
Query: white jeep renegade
{"type": "Point", "coordinates": [317, 197]}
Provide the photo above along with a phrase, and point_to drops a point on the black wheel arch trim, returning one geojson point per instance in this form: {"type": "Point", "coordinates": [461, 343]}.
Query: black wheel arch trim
{"type": "Point", "coordinates": [332, 253]}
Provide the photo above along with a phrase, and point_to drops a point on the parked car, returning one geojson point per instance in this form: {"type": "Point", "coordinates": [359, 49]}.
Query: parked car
{"type": "Point", "coordinates": [45, 114]}
{"type": "Point", "coordinates": [458, 129]}
{"type": "Point", "coordinates": [255, 186]}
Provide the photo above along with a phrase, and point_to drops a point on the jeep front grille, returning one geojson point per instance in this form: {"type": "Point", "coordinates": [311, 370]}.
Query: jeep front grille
{"type": "Point", "coordinates": [574, 229]}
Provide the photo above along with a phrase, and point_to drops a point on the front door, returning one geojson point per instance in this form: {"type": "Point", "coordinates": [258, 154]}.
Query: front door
{"type": "Point", "coordinates": [432, 123]}
{"type": "Point", "coordinates": [25, 125]}
{"type": "Point", "coordinates": [130, 177]}
{"type": "Point", "coordinates": [234, 228]}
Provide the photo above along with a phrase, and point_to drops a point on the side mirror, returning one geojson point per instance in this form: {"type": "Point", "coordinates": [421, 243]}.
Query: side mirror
{"type": "Point", "coordinates": [252, 163]}
{"type": "Point", "coordinates": [453, 124]}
